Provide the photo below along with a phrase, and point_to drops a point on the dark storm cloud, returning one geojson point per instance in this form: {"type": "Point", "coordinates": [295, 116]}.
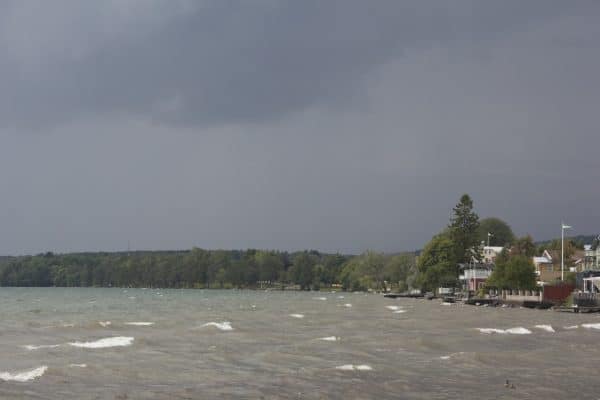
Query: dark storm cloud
{"type": "Point", "coordinates": [219, 61]}
{"type": "Point", "coordinates": [336, 125]}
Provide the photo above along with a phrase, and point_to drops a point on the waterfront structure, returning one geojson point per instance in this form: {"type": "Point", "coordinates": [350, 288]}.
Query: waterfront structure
{"type": "Point", "coordinates": [473, 276]}
{"type": "Point", "coordinates": [490, 253]}
{"type": "Point", "coordinates": [545, 267]}
{"type": "Point", "coordinates": [591, 258]}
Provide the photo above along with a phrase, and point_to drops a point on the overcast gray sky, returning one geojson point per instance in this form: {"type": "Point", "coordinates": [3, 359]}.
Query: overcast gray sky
{"type": "Point", "coordinates": [335, 125]}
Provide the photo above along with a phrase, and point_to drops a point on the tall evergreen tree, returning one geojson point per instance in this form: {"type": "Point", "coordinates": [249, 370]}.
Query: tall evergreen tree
{"type": "Point", "coordinates": [463, 228]}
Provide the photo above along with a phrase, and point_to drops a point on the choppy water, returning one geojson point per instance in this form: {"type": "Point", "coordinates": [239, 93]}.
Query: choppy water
{"type": "Point", "coordinates": [202, 344]}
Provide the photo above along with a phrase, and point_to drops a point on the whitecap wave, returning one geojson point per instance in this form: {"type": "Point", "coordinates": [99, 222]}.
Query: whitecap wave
{"type": "Point", "coordinates": [78, 365]}
{"type": "Point", "coordinates": [348, 305]}
{"type": "Point", "coordinates": [547, 328]}
{"type": "Point", "coordinates": [104, 324]}
{"type": "Point", "coordinates": [297, 315]}
{"type": "Point", "coordinates": [445, 303]}
{"type": "Point", "coordinates": [591, 326]}
{"type": "Point", "coordinates": [514, 331]}
{"type": "Point", "coordinates": [117, 341]}
{"type": "Point", "coordinates": [23, 376]}
{"type": "Point", "coordinates": [139, 323]}
{"type": "Point", "coordinates": [41, 346]}
{"type": "Point", "coordinates": [491, 330]}
{"type": "Point", "coordinates": [330, 339]}
{"type": "Point", "coordinates": [223, 326]}
{"type": "Point", "coordinates": [320, 298]}
{"type": "Point", "coordinates": [399, 311]}
{"type": "Point", "coordinates": [393, 308]}
{"type": "Point", "coordinates": [340, 297]}
{"type": "Point", "coordinates": [352, 367]}
{"type": "Point", "coordinates": [571, 327]}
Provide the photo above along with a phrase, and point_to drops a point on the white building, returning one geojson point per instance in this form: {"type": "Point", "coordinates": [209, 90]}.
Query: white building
{"type": "Point", "coordinates": [490, 253]}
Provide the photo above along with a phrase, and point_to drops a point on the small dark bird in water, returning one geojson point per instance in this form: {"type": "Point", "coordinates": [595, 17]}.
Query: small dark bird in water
{"type": "Point", "coordinates": [507, 384]}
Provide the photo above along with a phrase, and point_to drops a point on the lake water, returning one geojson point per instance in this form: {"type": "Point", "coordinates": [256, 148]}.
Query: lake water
{"type": "Point", "coordinates": [203, 344]}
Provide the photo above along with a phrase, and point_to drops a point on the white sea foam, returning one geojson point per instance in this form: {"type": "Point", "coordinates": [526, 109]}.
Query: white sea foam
{"type": "Point", "coordinates": [330, 339]}
{"type": "Point", "coordinates": [139, 323]}
{"type": "Point", "coordinates": [352, 367]}
{"type": "Point", "coordinates": [514, 331]}
{"type": "Point", "coordinates": [223, 326]}
{"type": "Point", "coordinates": [131, 297]}
{"type": "Point", "coordinates": [518, 331]}
{"type": "Point", "coordinates": [297, 315]}
{"type": "Point", "coordinates": [547, 328]}
{"type": "Point", "coordinates": [78, 365]}
{"type": "Point", "coordinates": [340, 297]}
{"type": "Point", "coordinates": [42, 346]}
{"type": "Point", "coordinates": [591, 326]}
{"type": "Point", "coordinates": [399, 311]}
{"type": "Point", "coordinates": [319, 298]}
{"type": "Point", "coordinates": [117, 341]}
{"type": "Point", "coordinates": [104, 324]}
{"type": "Point", "coordinates": [449, 356]}
{"type": "Point", "coordinates": [571, 327]}
{"type": "Point", "coordinates": [491, 330]}
{"type": "Point", "coordinates": [23, 376]}
{"type": "Point", "coordinates": [348, 305]}
{"type": "Point", "coordinates": [393, 308]}
{"type": "Point", "coordinates": [445, 303]}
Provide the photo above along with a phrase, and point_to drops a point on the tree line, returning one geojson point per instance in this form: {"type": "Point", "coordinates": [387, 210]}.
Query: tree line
{"type": "Point", "coordinates": [200, 268]}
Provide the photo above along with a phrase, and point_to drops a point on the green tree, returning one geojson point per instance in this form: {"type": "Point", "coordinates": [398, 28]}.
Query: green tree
{"type": "Point", "coordinates": [437, 263]}
{"type": "Point", "coordinates": [502, 234]}
{"type": "Point", "coordinates": [302, 269]}
{"type": "Point", "coordinates": [523, 246]}
{"type": "Point", "coordinates": [398, 268]}
{"type": "Point", "coordinates": [463, 229]}
{"type": "Point", "coordinates": [518, 272]}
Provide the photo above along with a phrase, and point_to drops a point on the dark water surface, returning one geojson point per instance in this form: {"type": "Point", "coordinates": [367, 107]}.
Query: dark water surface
{"type": "Point", "coordinates": [429, 351]}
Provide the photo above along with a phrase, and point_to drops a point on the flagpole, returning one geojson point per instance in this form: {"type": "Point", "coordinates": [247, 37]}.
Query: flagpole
{"type": "Point", "coordinates": [562, 251]}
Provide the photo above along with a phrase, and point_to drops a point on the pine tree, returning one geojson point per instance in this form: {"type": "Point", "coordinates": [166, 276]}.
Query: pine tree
{"type": "Point", "coordinates": [463, 231]}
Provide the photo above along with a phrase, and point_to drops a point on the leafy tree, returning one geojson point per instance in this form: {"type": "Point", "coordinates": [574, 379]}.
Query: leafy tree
{"type": "Point", "coordinates": [463, 229]}
{"type": "Point", "coordinates": [437, 264]}
{"type": "Point", "coordinates": [523, 246]}
{"type": "Point", "coordinates": [518, 272]}
{"type": "Point", "coordinates": [398, 268]}
{"type": "Point", "coordinates": [502, 234]}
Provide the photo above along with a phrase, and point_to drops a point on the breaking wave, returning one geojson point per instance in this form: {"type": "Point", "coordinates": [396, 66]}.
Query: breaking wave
{"type": "Point", "coordinates": [297, 315]}
{"type": "Point", "coordinates": [139, 323]}
{"type": "Point", "coordinates": [23, 376]}
{"type": "Point", "coordinates": [42, 346]}
{"type": "Point", "coordinates": [547, 328]}
{"type": "Point", "coordinates": [223, 326]}
{"type": "Point", "coordinates": [591, 326]}
{"type": "Point", "coordinates": [330, 339]}
{"type": "Point", "coordinates": [117, 341]}
{"type": "Point", "coordinates": [352, 367]}
{"type": "Point", "coordinates": [104, 324]}
{"type": "Point", "coordinates": [514, 331]}
{"type": "Point", "coordinates": [393, 308]}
